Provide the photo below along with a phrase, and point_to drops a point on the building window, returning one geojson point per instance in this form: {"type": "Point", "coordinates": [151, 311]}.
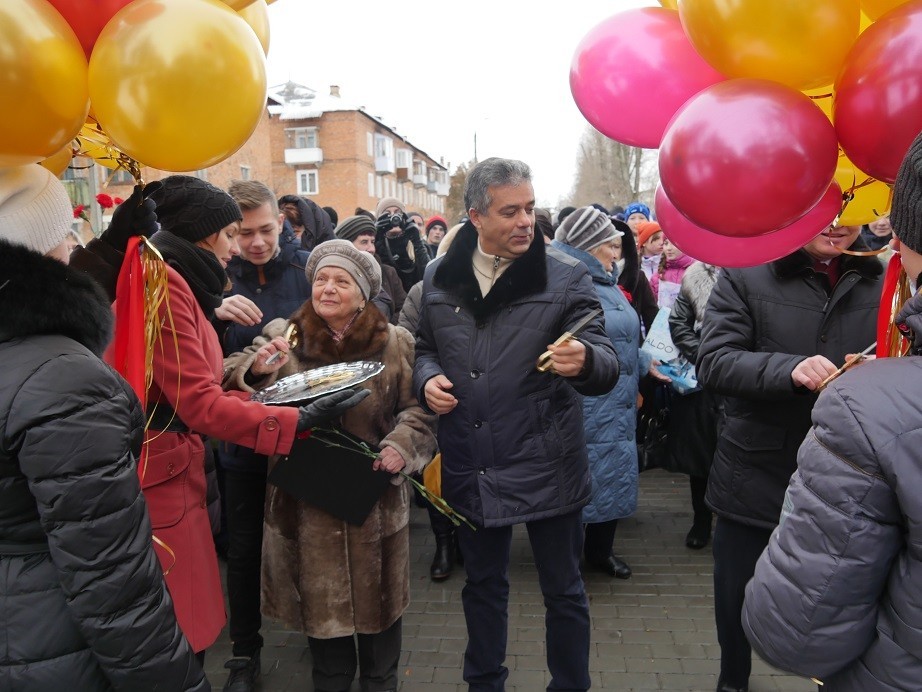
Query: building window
{"type": "Point", "coordinates": [369, 139]}
{"type": "Point", "coordinates": [308, 183]}
{"type": "Point", "coordinates": [301, 137]}
{"type": "Point", "coordinates": [404, 158]}
{"type": "Point", "coordinates": [244, 172]}
{"type": "Point", "coordinates": [379, 193]}
{"type": "Point", "coordinates": [371, 184]}
{"type": "Point", "coordinates": [201, 174]}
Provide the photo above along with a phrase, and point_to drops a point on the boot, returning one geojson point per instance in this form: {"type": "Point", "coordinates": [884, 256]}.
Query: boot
{"type": "Point", "coordinates": [700, 533]}
{"type": "Point", "coordinates": [444, 558]}
{"type": "Point", "coordinates": [244, 672]}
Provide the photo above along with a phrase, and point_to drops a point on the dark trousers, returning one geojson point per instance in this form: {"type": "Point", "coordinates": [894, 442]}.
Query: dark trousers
{"type": "Point", "coordinates": [600, 538]}
{"type": "Point", "coordinates": [737, 548]}
{"type": "Point", "coordinates": [556, 544]}
{"type": "Point", "coordinates": [245, 495]}
{"type": "Point", "coordinates": [441, 525]}
{"type": "Point", "coordinates": [378, 657]}
{"type": "Point", "coordinates": [699, 487]}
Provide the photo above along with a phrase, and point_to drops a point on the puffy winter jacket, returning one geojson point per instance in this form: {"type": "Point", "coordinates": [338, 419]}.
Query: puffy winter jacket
{"type": "Point", "coordinates": [84, 606]}
{"type": "Point", "coordinates": [759, 324]}
{"type": "Point", "coordinates": [514, 448]}
{"type": "Point", "coordinates": [837, 594]}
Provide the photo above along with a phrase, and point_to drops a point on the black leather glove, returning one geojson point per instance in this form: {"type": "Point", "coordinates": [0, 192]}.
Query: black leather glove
{"type": "Point", "coordinates": [135, 216]}
{"type": "Point", "coordinates": [328, 407]}
{"type": "Point", "coordinates": [384, 223]}
{"type": "Point", "coordinates": [411, 231]}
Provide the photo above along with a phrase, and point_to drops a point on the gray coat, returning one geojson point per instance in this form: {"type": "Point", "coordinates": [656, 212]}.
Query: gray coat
{"type": "Point", "coordinates": [837, 595]}
{"type": "Point", "coordinates": [84, 606]}
{"type": "Point", "coordinates": [759, 324]}
{"type": "Point", "coordinates": [513, 449]}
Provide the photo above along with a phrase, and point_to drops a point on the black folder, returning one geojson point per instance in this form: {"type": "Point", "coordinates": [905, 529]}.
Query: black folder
{"type": "Point", "coordinates": [337, 479]}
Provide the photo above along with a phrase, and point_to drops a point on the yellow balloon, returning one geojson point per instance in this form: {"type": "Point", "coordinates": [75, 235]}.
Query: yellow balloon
{"type": "Point", "coordinates": [178, 84]}
{"type": "Point", "coordinates": [871, 200]}
{"type": "Point", "coordinates": [799, 43]}
{"type": "Point", "coordinates": [42, 82]}
{"type": "Point", "coordinates": [668, 4]}
{"type": "Point", "coordinates": [238, 5]}
{"type": "Point", "coordinates": [864, 23]}
{"type": "Point", "coordinates": [93, 143]}
{"type": "Point", "coordinates": [875, 8]}
{"type": "Point", "coordinates": [57, 163]}
{"type": "Point", "coordinates": [822, 97]}
{"type": "Point", "coordinates": [257, 16]}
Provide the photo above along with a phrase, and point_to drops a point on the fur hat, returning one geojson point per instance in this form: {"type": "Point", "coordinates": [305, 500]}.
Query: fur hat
{"type": "Point", "coordinates": [194, 209]}
{"type": "Point", "coordinates": [389, 202]}
{"type": "Point", "coordinates": [586, 228]}
{"type": "Point", "coordinates": [362, 266]}
{"type": "Point", "coordinates": [636, 208]}
{"type": "Point", "coordinates": [645, 230]}
{"type": "Point", "coordinates": [354, 226]}
{"type": "Point", "coordinates": [906, 210]}
{"type": "Point", "coordinates": [35, 211]}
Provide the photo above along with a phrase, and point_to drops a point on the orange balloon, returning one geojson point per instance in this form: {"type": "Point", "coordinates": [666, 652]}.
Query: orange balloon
{"type": "Point", "coordinates": [42, 81]}
{"type": "Point", "coordinates": [799, 43]}
{"type": "Point", "coordinates": [58, 163]}
{"type": "Point", "coordinates": [875, 8]}
{"type": "Point", "coordinates": [238, 5]}
{"type": "Point", "coordinates": [178, 84]}
{"type": "Point", "coordinates": [668, 4]}
{"type": "Point", "coordinates": [257, 16]}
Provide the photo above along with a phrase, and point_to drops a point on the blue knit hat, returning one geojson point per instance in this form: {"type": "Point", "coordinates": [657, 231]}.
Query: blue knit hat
{"type": "Point", "coordinates": [636, 208]}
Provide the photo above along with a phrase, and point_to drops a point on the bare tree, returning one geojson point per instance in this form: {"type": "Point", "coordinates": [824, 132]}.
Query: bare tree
{"type": "Point", "coordinates": [454, 205]}
{"type": "Point", "coordinates": [611, 173]}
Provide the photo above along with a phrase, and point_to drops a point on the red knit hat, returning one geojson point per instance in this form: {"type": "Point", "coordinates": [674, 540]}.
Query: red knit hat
{"type": "Point", "coordinates": [434, 220]}
{"type": "Point", "coordinates": [645, 229]}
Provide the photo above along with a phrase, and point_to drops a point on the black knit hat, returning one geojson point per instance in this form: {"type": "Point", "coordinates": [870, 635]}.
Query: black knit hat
{"type": "Point", "coordinates": [906, 211]}
{"type": "Point", "coordinates": [354, 226]}
{"type": "Point", "coordinates": [194, 209]}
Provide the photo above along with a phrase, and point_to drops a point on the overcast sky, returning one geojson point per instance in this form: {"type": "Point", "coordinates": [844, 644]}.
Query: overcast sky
{"type": "Point", "coordinates": [439, 72]}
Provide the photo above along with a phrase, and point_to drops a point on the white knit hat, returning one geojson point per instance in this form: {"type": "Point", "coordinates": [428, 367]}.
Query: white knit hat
{"type": "Point", "coordinates": [586, 228]}
{"type": "Point", "coordinates": [35, 211]}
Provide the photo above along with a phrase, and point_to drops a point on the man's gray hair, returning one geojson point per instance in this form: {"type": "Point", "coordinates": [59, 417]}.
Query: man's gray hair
{"type": "Point", "coordinates": [490, 172]}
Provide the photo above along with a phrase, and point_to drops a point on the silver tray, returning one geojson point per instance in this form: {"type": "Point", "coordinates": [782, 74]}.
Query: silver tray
{"type": "Point", "coordinates": [312, 383]}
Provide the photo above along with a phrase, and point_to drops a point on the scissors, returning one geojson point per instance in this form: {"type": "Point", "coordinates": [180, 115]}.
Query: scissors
{"type": "Point", "coordinates": [857, 358]}
{"type": "Point", "coordinates": [544, 360]}
{"type": "Point", "coordinates": [291, 337]}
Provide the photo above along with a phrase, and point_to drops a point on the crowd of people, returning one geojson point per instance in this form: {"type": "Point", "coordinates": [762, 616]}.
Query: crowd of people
{"type": "Point", "coordinates": [514, 355]}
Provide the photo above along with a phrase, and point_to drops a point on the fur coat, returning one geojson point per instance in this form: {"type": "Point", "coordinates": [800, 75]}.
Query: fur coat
{"type": "Point", "coordinates": [320, 574]}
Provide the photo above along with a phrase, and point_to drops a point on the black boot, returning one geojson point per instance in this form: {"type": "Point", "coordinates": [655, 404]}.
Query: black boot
{"type": "Point", "coordinates": [444, 558]}
{"type": "Point", "coordinates": [700, 533]}
{"type": "Point", "coordinates": [244, 672]}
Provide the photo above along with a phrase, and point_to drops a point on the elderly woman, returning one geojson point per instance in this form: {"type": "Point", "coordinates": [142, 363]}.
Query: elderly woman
{"type": "Point", "coordinates": [335, 581]}
{"type": "Point", "coordinates": [590, 236]}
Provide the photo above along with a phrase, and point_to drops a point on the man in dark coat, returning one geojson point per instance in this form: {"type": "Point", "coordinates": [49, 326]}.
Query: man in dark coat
{"type": "Point", "coordinates": [310, 223]}
{"type": "Point", "coordinates": [838, 595]}
{"type": "Point", "coordinates": [511, 437]}
{"type": "Point", "coordinates": [771, 335]}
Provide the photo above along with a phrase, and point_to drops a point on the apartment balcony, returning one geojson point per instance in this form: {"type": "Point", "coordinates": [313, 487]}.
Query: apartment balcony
{"type": "Point", "coordinates": [294, 157]}
{"type": "Point", "coordinates": [442, 189]}
{"type": "Point", "coordinates": [432, 186]}
{"type": "Point", "coordinates": [419, 180]}
{"type": "Point", "coordinates": [385, 165]}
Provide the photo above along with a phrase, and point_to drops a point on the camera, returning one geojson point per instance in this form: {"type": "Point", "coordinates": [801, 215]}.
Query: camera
{"type": "Point", "coordinates": [396, 220]}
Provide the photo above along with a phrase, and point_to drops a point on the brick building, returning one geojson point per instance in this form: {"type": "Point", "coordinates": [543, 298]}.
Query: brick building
{"type": "Point", "coordinates": [319, 146]}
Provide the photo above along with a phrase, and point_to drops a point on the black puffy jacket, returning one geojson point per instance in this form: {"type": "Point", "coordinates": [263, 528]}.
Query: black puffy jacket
{"type": "Point", "coordinates": [513, 449]}
{"type": "Point", "coordinates": [759, 324]}
{"type": "Point", "coordinates": [84, 606]}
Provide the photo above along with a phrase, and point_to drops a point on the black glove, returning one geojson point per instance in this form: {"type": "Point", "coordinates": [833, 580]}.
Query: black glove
{"type": "Point", "coordinates": [411, 231]}
{"type": "Point", "coordinates": [328, 407]}
{"type": "Point", "coordinates": [385, 223]}
{"type": "Point", "coordinates": [135, 216]}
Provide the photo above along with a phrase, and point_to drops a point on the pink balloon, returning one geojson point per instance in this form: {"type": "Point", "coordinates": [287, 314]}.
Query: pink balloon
{"type": "Point", "coordinates": [632, 72]}
{"type": "Point", "coordinates": [747, 157]}
{"type": "Point", "coordinates": [878, 95]}
{"type": "Point", "coordinates": [727, 251]}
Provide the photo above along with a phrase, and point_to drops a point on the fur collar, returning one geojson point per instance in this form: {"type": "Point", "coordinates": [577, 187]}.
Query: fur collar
{"type": "Point", "coordinates": [455, 273]}
{"type": "Point", "coordinates": [697, 284]}
{"type": "Point", "coordinates": [800, 262]}
{"type": "Point", "coordinates": [366, 337]}
{"type": "Point", "coordinates": [39, 295]}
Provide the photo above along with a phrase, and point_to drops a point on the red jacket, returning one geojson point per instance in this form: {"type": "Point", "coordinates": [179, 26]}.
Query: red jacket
{"type": "Point", "coordinates": [187, 371]}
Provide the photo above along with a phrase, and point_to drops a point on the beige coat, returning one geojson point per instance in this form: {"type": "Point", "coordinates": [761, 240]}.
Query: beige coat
{"type": "Point", "coordinates": [320, 574]}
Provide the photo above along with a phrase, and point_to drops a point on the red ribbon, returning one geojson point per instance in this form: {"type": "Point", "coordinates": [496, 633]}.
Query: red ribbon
{"type": "Point", "coordinates": [890, 287]}
{"type": "Point", "coordinates": [130, 347]}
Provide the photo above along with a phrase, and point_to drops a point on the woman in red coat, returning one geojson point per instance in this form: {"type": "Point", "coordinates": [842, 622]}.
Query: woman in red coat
{"type": "Point", "coordinates": [198, 225]}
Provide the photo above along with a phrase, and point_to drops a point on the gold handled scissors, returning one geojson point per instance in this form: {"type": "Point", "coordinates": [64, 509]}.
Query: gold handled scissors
{"type": "Point", "coordinates": [544, 360]}
{"type": "Point", "coordinates": [855, 359]}
{"type": "Point", "coordinates": [291, 336]}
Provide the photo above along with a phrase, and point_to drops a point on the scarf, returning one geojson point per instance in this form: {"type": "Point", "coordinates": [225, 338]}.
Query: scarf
{"type": "Point", "coordinates": [200, 268]}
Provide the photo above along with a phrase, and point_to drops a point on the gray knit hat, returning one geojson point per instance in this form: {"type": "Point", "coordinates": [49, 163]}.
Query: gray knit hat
{"type": "Point", "coordinates": [586, 228]}
{"type": "Point", "coordinates": [362, 266]}
{"type": "Point", "coordinates": [389, 202]}
{"type": "Point", "coordinates": [35, 211]}
{"type": "Point", "coordinates": [906, 210]}
{"type": "Point", "coordinates": [351, 228]}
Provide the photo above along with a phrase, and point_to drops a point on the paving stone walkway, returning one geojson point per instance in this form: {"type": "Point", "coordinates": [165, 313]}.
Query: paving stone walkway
{"type": "Point", "coordinates": [654, 631]}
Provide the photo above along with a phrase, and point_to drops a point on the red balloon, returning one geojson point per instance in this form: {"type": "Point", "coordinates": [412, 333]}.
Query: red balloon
{"type": "Point", "coordinates": [632, 72]}
{"type": "Point", "coordinates": [747, 156]}
{"type": "Point", "coordinates": [877, 108]}
{"type": "Point", "coordinates": [88, 17]}
{"type": "Point", "coordinates": [725, 251]}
